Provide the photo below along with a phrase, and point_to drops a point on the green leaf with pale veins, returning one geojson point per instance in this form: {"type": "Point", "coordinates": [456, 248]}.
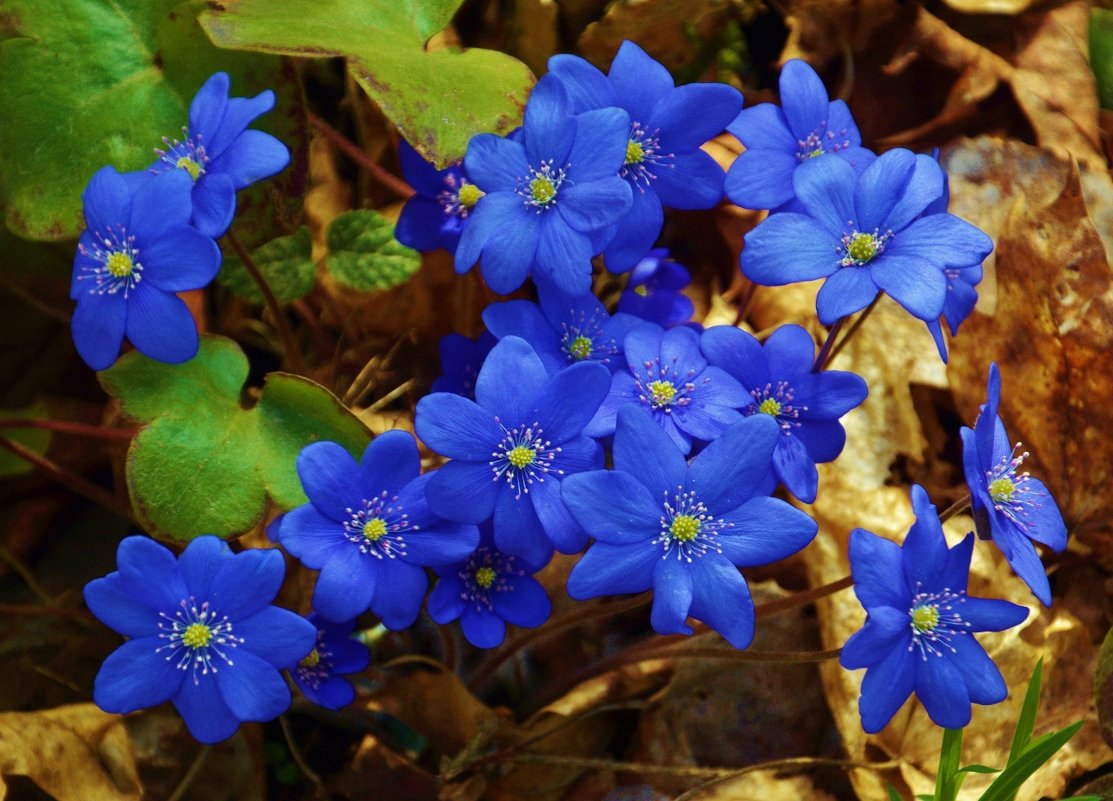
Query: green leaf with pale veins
{"type": "Point", "coordinates": [204, 464]}
{"type": "Point", "coordinates": [363, 253]}
{"type": "Point", "coordinates": [285, 263]}
{"type": "Point", "coordinates": [91, 82]}
{"type": "Point", "coordinates": [438, 98]}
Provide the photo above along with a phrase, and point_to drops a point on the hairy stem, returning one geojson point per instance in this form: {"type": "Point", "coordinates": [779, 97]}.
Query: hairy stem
{"type": "Point", "coordinates": [352, 151]}
{"type": "Point", "coordinates": [69, 427]}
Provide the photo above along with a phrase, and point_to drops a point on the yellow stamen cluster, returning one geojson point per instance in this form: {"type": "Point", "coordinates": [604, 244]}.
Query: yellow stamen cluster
{"type": "Point", "coordinates": [485, 577]}
{"type": "Point", "coordinates": [197, 635]}
{"type": "Point", "coordinates": [374, 529]}
{"type": "Point", "coordinates": [684, 528]}
{"type": "Point", "coordinates": [521, 456]}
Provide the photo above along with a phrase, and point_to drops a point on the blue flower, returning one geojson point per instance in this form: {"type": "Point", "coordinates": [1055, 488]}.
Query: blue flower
{"type": "Point", "coordinates": [663, 162]}
{"type": "Point", "coordinates": [551, 193]}
{"type": "Point", "coordinates": [336, 654]}
{"type": "Point", "coordinates": [778, 140]}
{"type": "Point", "coordinates": [487, 591]}
{"type": "Point", "coordinates": [369, 530]}
{"type": "Point", "coordinates": [919, 622]}
{"type": "Point", "coordinates": [865, 234]}
{"type": "Point", "coordinates": [511, 448]}
{"type": "Point", "coordinates": [683, 529]}
{"type": "Point", "coordinates": [136, 252]}
{"type": "Point", "coordinates": [220, 153]}
{"type": "Point", "coordinates": [461, 359]}
{"type": "Point", "coordinates": [202, 634]}
{"type": "Point", "coordinates": [806, 405]}
{"type": "Point", "coordinates": [653, 291]}
{"type": "Point", "coordinates": [563, 330]}
{"type": "Point", "coordinates": [669, 377]}
{"type": "Point", "coordinates": [437, 213]}
{"type": "Point", "coordinates": [1010, 507]}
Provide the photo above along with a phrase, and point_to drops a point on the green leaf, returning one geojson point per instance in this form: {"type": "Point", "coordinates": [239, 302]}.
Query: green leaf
{"type": "Point", "coordinates": [203, 464]}
{"type": "Point", "coordinates": [1103, 689]}
{"type": "Point", "coordinates": [1101, 53]}
{"type": "Point", "coordinates": [946, 788]}
{"type": "Point", "coordinates": [978, 769]}
{"type": "Point", "coordinates": [36, 439]}
{"type": "Point", "coordinates": [88, 83]}
{"type": "Point", "coordinates": [364, 255]}
{"type": "Point", "coordinates": [1026, 723]}
{"type": "Point", "coordinates": [1034, 755]}
{"type": "Point", "coordinates": [437, 98]}
{"type": "Point", "coordinates": [893, 794]}
{"type": "Point", "coordinates": [286, 264]}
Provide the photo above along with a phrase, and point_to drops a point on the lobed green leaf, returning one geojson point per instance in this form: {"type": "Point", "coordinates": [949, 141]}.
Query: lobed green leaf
{"type": "Point", "coordinates": [364, 255]}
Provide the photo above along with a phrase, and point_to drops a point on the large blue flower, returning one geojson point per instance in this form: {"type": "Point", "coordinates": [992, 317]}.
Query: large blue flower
{"type": "Point", "coordinates": [512, 447]}
{"type": "Point", "coordinates": [437, 213]}
{"type": "Point", "coordinates": [487, 591]}
{"type": "Point", "coordinates": [369, 530]}
{"type": "Point", "coordinates": [461, 359]}
{"type": "Point", "coordinates": [551, 193]}
{"type": "Point", "coordinates": [203, 634]}
{"type": "Point", "coordinates": [664, 163]}
{"type": "Point", "coordinates": [653, 291]}
{"type": "Point", "coordinates": [563, 329]}
{"type": "Point", "coordinates": [668, 376]}
{"type": "Point", "coordinates": [806, 405]}
{"type": "Point", "coordinates": [1010, 507]}
{"type": "Point", "coordinates": [919, 625]}
{"type": "Point", "coordinates": [220, 153]}
{"type": "Point", "coordinates": [780, 139]}
{"type": "Point", "coordinates": [865, 234]}
{"type": "Point", "coordinates": [683, 529]}
{"type": "Point", "coordinates": [319, 675]}
{"type": "Point", "coordinates": [136, 252]}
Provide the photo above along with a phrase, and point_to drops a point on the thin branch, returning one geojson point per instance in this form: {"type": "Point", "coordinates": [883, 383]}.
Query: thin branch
{"type": "Point", "coordinates": [29, 298]}
{"type": "Point", "coordinates": [25, 573]}
{"type": "Point", "coordinates": [289, 345]}
{"type": "Point", "coordinates": [733, 655]}
{"type": "Point", "coordinates": [190, 774]}
{"type": "Point", "coordinates": [295, 753]}
{"type": "Point", "coordinates": [69, 427]}
{"type": "Point", "coordinates": [800, 763]}
{"type": "Point", "coordinates": [825, 351]}
{"type": "Point", "coordinates": [352, 151]}
{"type": "Point", "coordinates": [801, 598]}
{"type": "Point", "coordinates": [958, 507]}
{"type": "Point", "coordinates": [385, 400]}
{"type": "Point", "coordinates": [853, 329]}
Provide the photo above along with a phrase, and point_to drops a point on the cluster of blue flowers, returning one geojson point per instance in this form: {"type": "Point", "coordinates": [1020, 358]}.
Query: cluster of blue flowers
{"type": "Point", "coordinates": [702, 426]}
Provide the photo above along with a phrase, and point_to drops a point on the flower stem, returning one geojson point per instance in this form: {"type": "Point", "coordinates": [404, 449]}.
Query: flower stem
{"type": "Point", "coordinates": [946, 788]}
{"type": "Point", "coordinates": [69, 427]}
{"type": "Point", "coordinates": [352, 151]}
{"type": "Point", "coordinates": [293, 355]}
{"type": "Point", "coordinates": [959, 506]}
{"type": "Point", "coordinates": [825, 351]}
{"type": "Point", "coordinates": [781, 765]}
{"type": "Point", "coordinates": [190, 774]}
{"type": "Point", "coordinates": [853, 329]}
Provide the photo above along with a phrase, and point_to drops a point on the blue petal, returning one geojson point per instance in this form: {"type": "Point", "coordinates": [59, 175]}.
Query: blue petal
{"type": "Point", "coordinates": [447, 600]}
{"type": "Point", "coordinates": [463, 491]}
{"type": "Point", "coordinates": [623, 392]}
{"type": "Point", "coordinates": [642, 346]}
{"type": "Point", "coordinates": [607, 569]}
{"type": "Point", "coordinates": [680, 350]}
{"type": "Point", "coordinates": [207, 108]}
{"type": "Point", "coordinates": [638, 80]}
{"type": "Point", "coordinates": [786, 248]}
{"type": "Point", "coordinates": [824, 439]}
{"type": "Point", "coordinates": [390, 462]}
{"type": "Point", "coordinates": [248, 581]}
{"type": "Point", "coordinates": [795, 467]}
{"type": "Point", "coordinates": [803, 98]}
{"type": "Point", "coordinates": [841, 123]}
{"type": "Point", "coordinates": [877, 566]}
{"type": "Point", "coordinates": [763, 127]}
{"type": "Point", "coordinates": [983, 680]}
{"type": "Point", "coordinates": [206, 715]}
{"type": "Point", "coordinates": [885, 689]}
{"type": "Point", "coordinates": [1043, 521]}
{"type": "Point", "coordinates": [311, 537]}
{"type": "Point", "coordinates": [483, 629]}
{"type": "Point", "coordinates": [578, 455]}
{"type": "Point", "coordinates": [399, 591]}
{"type": "Point", "coordinates": [828, 395]}
{"type": "Point", "coordinates": [97, 327]}
{"type": "Point", "coordinates": [956, 566]}
{"type": "Point", "coordinates": [348, 654]}
{"type": "Point", "coordinates": [569, 400]}
{"type": "Point", "coordinates": [523, 319]}
{"type": "Point", "coordinates": [925, 554]}
{"type": "Point", "coordinates": [591, 205]}
{"type": "Point", "coordinates": [135, 676]}
{"type": "Point", "coordinates": [199, 564]}
{"type": "Point", "coordinates": [511, 381]}
{"type": "Point", "coordinates": [926, 184]}
{"type": "Point", "coordinates": [548, 134]}
{"type": "Point", "coordinates": [331, 693]}
{"type": "Point", "coordinates": [672, 595]}
{"type": "Point", "coordinates": [846, 291]}
{"type": "Point", "coordinates": [419, 224]}
{"type": "Point", "coordinates": [564, 255]}
{"type": "Point", "coordinates": [116, 609]}
{"type": "Point", "coordinates": [764, 530]}
{"type": "Point", "coordinates": [880, 187]}
{"type": "Point", "coordinates": [916, 284]}
{"type": "Point", "coordinates": [642, 450]}
{"type": "Point", "coordinates": [1022, 557]}
{"type": "Point", "coordinates": [526, 604]}
{"type": "Point", "coordinates": [599, 149]}
{"type": "Point", "coordinates": [690, 115]}
{"type": "Point", "coordinates": [456, 427]}
{"type": "Point", "coordinates": [180, 260]}
{"type": "Point", "coordinates": [518, 530]}
{"type": "Point", "coordinates": [728, 472]}
{"type": "Point", "coordinates": [826, 189]}
{"type": "Point", "coordinates": [790, 351]}
{"type": "Point", "coordinates": [277, 635]}
{"type": "Point", "coordinates": [419, 173]}
{"type": "Point", "coordinates": [149, 573]}
{"type": "Point", "coordinates": [238, 114]}
{"type": "Point", "coordinates": [721, 599]}
{"type": "Point", "coordinates": [250, 157]}
{"type": "Point", "coordinates": [942, 239]}
{"type": "Point", "coordinates": [942, 691]}
{"type": "Point", "coordinates": [107, 201]}
{"type": "Point", "coordinates": [160, 203]}
{"type": "Point", "coordinates": [761, 179]}
{"type": "Point", "coordinates": [695, 181]}
{"type": "Point", "coordinates": [559, 525]}
{"type": "Point", "coordinates": [511, 248]}
{"type": "Point", "coordinates": [886, 630]}
{"type": "Point", "coordinates": [214, 204]}
{"type": "Point", "coordinates": [586, 86]}
{"type": "Point", "coordinates": [160, 325]}
{"type": "Point", "coordinates": [613, 506]}
{"type": "Point", "coordinates": [331, 479]}
{"type": "Point", "coordinates": [496, 164]}
{"type": "Point", "coordinates": [738, 353]}
{"type": "Point", "coordinates": [990, 614]}
{"type": "Point", "coordinates": [488, 216]}
{"type": "Point", "coordinates": [345, 586]}
{"type": "Point", "coordinates": [252, 688]}
{"type": "Point", "coordinates": [636, 232]}
{"type": "Point", "coordinates": [440, 542]}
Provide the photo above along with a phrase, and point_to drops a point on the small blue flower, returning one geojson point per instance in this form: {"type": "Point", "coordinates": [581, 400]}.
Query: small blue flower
{"type": "Point", "coordinates": [653, 291]}
{"type": "Point", "coordinates": [551, 193]}
{"type": "Point", "coordinates": [563, 330]}
{"type": "Point", "coordinates": [683, 529]}
{"type": "Point", "coordinates": [664, 163]}
{"type": "Point", "coordinates": [461, 359]}
{"type": "Point", "coordinates": [1010, 507]}
{"type": "Point", "coordinates": [369, 530]}
{"type": "Point", "coordinates": [336, 654]}
{"type": "Point", "coordinates": [865, 234]}
{"type": "Point", "coordinates": [668, 376]}
{"type": "Point", "coordinates": [778, 140]}
{"type": "Point", "coordinates": [487, 591]}
{"type": "Point", "coordinates": [919, 625]}
{"type": "Point", "coordinates": [136, 252]}
{"type": "Point", "coordinates": [220, 153]}
{"type": "Point", "coordinates": [511, 448]}
{"type": "Point", "coordinates": [437, 213]}
{"type": "Point", "coordinates": [202, 634]}
{"type": "Point", "coordinates": [806, 405]}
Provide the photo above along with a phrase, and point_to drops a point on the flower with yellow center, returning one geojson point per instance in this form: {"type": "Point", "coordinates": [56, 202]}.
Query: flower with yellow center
{"type": "Point", "coordinates": [770, 406]}
{"type": "Point", "coordinates": [580, 347]}
{"type": "Point", "coordinates": [1002, 489]}
{"type": "Point", "coordinates": [662, 392]}
{"type": "Point", "coordinates": [374, 529]}
{"type": "Point", "coordinates": [684, 528]}
{"type": "Point", "coordinates": [469, 195]}
{"type": "Point", "coordinates": [635, 153]}
{"type": "Point", "coordinates": [119, 264]}
{"type": "Point", "coordinates": [925, 618]}
{"type": "Point", "coordinates": [197, 635]}
{"type": "Point", "coordinates": [485, 577]}
{"type": "Point", "coordinates": [521, 456]}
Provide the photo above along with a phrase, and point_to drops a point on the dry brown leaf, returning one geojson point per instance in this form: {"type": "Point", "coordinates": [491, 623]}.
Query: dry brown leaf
{"type": "Point", "coordinates": [991, 6]}
{"type": "Point", "coordinates": [820, 31]}
{"type": "Point", "coordinates": [532, 26]}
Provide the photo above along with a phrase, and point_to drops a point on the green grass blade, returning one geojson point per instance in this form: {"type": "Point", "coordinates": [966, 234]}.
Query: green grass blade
{"type": "Point", "coordinates": [1028, 762]}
